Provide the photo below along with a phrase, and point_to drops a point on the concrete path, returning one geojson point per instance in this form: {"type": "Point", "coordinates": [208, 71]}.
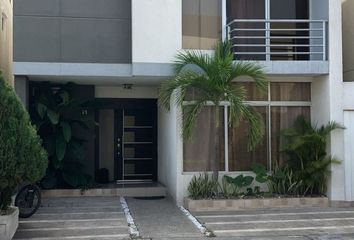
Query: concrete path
{"type": "Point", "coordinates": [162, 219]}
{"type": "Point", "coordinates": [285, 224]}
{"type": "Point", "coordinates": [98, 218]}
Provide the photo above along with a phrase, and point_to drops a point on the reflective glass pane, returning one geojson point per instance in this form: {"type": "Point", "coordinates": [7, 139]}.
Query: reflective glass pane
{"type": "Point", "coordinates": [290, 91]}
{"type": "Point", "coordinates": [207, 143]}
{"type": "Point", "coordinates": [283, 118]}
{"type": "Point", "coordinates": [240, 159]}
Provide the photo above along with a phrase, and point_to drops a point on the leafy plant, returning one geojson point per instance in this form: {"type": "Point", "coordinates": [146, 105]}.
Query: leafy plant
{"type": "Point", "coordinates": [211, 77]}
{"type": "Point", "coordinates": [308, 159]}
{"type": "Point", "coordinates": [22, 157]}
{"type": "Point", "coordinates": [203, 187]}
{"type": "Point", "coordinates": [240, 182]}
{"type": "Point", "coordinates": [283, 181]}
{"type": "Point", "coordinates": [56, 115]}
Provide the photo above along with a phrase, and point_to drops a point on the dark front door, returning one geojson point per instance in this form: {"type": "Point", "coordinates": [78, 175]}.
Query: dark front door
{"type": "Point", "coordinates": [136, 143]}
{"type": "Point", "coordinates": [127, 139]}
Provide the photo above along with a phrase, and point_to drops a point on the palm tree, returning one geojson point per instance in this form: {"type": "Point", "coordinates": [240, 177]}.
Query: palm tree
{"type": "Point", "coordinates": [306, 148]}
{"type": "Point", "coordinates": [211, 77]}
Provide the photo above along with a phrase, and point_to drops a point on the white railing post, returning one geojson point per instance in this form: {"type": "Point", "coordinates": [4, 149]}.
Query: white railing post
{"type": "Point", "coordinates": [288, 46]}
{"type": "Point", "coordinates": [324, 40]}
{"type": "Point", "coordinates": [267, 40]}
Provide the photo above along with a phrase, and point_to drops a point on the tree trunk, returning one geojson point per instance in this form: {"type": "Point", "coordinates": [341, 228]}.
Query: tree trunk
{"type": "Point", "coordinates": [216, 130]}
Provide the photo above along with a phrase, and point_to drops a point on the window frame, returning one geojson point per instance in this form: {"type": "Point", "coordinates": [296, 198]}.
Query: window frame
{"type": "Point", "coordinates": [268, 104]}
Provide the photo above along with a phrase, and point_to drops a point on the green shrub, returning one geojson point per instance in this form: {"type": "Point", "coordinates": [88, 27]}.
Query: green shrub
{"type": "Point", "coordinates": [203, 187]}
{"type": "Point", "coordinates": [307, 168]}
{"type": "Point", "coordinates": [22, 157]}
{"type": "Point", "coordinates": [307, 156]}
{"type": "Point", "coordinates": [57, 116]}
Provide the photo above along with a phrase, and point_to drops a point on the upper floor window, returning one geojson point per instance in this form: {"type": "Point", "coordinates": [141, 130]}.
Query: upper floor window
{"type": "Point", "coordinates": [201, 23]}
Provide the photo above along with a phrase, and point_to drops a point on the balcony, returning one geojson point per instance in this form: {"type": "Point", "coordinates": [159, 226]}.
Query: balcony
{"type": "Point", "coordinates": [282, 45]}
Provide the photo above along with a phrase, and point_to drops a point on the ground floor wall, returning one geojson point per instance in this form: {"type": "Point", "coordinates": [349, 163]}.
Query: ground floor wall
{"type": "Point", "coordinates": [167, 150]}
{"type": "Point", "coordinates": [331, 100]}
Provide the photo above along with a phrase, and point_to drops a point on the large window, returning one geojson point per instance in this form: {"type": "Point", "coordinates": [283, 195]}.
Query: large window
{"type": "Point", "coordinates": [279, 107]}
{"type": "Point", "coordinates": [201, 23]}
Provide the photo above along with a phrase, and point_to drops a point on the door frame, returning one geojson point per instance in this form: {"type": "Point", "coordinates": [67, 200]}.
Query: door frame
{"type": "Point", "coordinates": [117, 104]}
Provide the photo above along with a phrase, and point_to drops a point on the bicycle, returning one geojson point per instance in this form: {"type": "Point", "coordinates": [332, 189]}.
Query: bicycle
{"type": "Point", "coordinates": [28, 200]}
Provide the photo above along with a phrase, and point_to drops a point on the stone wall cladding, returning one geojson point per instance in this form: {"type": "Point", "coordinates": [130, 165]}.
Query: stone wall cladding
{"type": "Point", "coordinates": [243, 204]}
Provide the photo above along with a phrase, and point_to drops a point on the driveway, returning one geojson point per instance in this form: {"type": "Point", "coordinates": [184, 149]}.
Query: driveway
{"type": "Point", "coordinates": [98, 218]}
{"type": "Point", "coordinates": [307, 224]}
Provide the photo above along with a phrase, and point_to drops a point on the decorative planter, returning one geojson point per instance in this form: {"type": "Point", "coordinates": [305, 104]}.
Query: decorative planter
{"type": "Point", "coordinates": [259, 203]}
{"type": "Point", "coordinates": [9, 224]}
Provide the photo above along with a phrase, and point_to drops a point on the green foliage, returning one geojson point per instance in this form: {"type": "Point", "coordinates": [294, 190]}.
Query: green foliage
{"type": "Point", "coordinates": [212, 78]}
{"type": "Point", "coordinates": [56, 114]}
{"type": "Point", "coordinates": [233, 187]}
{"type": "Point", "coordinates": [22, 157]}
{"type": "Point", "coordinates": [308, 159]}
{"type": "Point", "coordinates": [308, 166]}
{"type": "Point", "coordinates": [284, 182]}
{"type": "Point", "coordinates": [203, 187]}
{"type": "Point", "coordinates": [260, 171]}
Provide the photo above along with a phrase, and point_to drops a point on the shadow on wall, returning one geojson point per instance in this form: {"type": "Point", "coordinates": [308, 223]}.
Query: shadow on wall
{"type": "Point", "coordinates": [348, 37]}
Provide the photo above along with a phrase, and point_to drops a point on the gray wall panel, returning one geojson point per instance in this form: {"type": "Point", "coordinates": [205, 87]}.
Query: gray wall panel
{"type": "Point", "coordinates": [36, 39]}
{"type": "Point", "coordinates": [96, 40]}
{"type": "Point", "coordinates": [96, 8]}
{"type": "Point", "coordinates": [79, 31]}
{"type": "Point", "coordinates": [37, 7]}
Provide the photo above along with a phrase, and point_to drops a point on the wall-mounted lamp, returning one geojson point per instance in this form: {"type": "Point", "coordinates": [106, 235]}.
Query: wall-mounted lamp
{"type": "Point", "coordinates": [128, 86]}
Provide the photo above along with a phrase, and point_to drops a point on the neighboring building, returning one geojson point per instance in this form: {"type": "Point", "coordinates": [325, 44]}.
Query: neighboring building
{"type": "Point", "coordinates": [347, 95]}
{"type": "Point", "coordinates": [6, 40]}
{"type": "Point", "coordinates": [119, 51]}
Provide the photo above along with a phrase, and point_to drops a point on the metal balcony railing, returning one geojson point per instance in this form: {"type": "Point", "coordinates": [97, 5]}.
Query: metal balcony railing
{"type": "Point", "coordinates": [281, 39]}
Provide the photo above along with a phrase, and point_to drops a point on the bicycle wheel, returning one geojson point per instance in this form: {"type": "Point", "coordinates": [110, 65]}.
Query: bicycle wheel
{"type": "Point", "coordinates": [28, 200]}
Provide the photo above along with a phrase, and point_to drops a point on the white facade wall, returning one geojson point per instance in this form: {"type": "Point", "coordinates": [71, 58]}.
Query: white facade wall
{"type": "Point", "coordinates": [156, 30]}
{"type": "Point", "coordinates": [167, 150]}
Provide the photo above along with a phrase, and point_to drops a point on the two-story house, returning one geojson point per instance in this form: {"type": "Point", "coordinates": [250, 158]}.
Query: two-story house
{"type": "Point", "coordinates": [119, 51]}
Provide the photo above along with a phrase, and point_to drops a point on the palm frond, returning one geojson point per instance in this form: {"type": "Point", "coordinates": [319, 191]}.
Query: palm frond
{"type": "Point", "coordinates": [252, 70]}
{"type": "Point", "coordinates": [325, 130]}
{"type": "Point", "coordinates": [192, 59]}
{"type": "Point", "coordinates": [222, 52]}
{"type": "Point", "coordinates": [190, 115]}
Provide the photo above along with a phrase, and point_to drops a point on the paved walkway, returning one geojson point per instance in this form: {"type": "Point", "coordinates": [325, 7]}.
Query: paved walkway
{"type": "Point", "coordinates": [98, 218]}
{"type": "Point", "coordinates": [102, 218]}
{"type": "Point", "coordinates": [162, 219]}
{"type": "Point", "coordinates": [306, 224]}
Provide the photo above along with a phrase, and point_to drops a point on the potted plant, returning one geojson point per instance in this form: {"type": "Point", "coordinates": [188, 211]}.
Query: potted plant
{"type": "Point", "coordinates": [22, 158]}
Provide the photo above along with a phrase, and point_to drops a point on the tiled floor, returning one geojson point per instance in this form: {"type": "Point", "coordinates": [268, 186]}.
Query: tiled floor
{"type": "Point", "coordinates": [312, 223]}
{"type": "Point", "coordinates": [98, 218]}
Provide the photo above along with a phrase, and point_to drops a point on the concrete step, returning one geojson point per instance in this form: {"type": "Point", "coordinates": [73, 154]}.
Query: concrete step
{"type": "Point", "coordinates": [271, 216]}
{"type": "Point", "coordinates": [76, 202]}
{"type": "Point", "coordinates": [76, 216]}
{"type": "Point", "coordinates": [306, 231]}
{"type": "Point", "coordinates": [69, 224]}
{"type": "Point", "coordinates": [280, 224]}
{"type": "Point", "coordinates": [119, 232]}
{"type": "Point", "coordinates": [78, 209]}
{"type": "Point", "coordinates": [155, 191]}
{"type": "Point", "coordinates": [102, 237]}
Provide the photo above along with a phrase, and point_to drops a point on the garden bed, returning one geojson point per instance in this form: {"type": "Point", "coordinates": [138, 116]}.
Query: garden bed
{"type": "Point", "coordinates": [205, 205]}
